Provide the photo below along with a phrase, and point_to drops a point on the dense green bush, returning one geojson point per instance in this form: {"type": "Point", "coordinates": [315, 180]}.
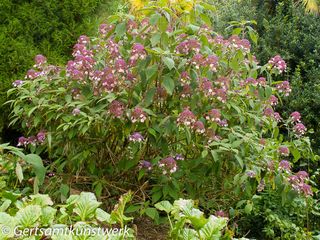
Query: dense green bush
{"type": "Point", "coordinates": [284, 28]}
{"type": "Point", "coordinates": [294, 35]}
{"type": "Point", "coordinates": [28, 28]}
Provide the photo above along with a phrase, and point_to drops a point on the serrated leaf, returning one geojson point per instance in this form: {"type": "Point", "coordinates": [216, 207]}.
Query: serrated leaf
{"type": "Point", "coordinates": [168, 84]}
{"type": "Point", "coordinates": [103, 216]}
{"type": "Point", "coordinates": [164, 206]}
{"type": "Point", "coordinates": [37, 165]}
{"type": "Point", "coordinates": [28, 216]}
{"type": "Point", "coordinates": [169, 62]}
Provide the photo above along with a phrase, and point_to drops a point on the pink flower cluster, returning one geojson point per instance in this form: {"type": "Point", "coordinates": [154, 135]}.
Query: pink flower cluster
{"type": "Point", "coordinates": [136, 137]}
{"type": "Point", "coordinates": [297, 182]}
{"type": "Point", "coordinates": [278, 63]}
{"type": "Point", "coordinates": [188, 46]}
{"type": "Point", "coordinates": [299, 129]}
{"type": "Point", "coordinates": [168, 165]}
{"type": "Point", "coordinates": [284, 87]}
{"type": "Point", "coordinates": [33, 140]}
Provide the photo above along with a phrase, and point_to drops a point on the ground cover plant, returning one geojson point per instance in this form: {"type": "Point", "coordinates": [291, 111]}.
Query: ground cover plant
{"type": "Point", "coordinates": [160, 104]}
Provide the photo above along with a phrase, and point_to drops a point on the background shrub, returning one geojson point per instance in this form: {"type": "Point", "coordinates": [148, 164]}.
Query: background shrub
{"type": "Point", "coordinates": [28, 28]}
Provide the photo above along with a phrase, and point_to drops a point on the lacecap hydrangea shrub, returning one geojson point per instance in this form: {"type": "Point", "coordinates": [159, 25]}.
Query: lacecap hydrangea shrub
{"type": "Point", "coordinates": [165, 99]}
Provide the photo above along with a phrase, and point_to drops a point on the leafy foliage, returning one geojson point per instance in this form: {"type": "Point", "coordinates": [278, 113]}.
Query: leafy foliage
{"type": "Point", "coordinates": [80, 212]}
{"type": "Point", "coordinates": [164, 105]}
{"type": "Point", "coordinates": [32, 27]}
{"type": "Point", "coordinates": [188, 222]}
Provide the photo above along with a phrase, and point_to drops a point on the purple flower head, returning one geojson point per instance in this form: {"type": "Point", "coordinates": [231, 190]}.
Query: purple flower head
{"type": "Point", "coordinates": [207, 88]}
{"type": "Point", "coordinates": [116, 109]}
{"type": "Point", "coordinates": [262, 81]}
{"type": "Point", "coordinates": [76, 111]}
{"type": "Point", "coordinates": [284, 87]}
{"type": "Point", "coordinates": [278, 63]}
{"type": "Point", "coordinates": [277, 116]}
{"type": "Point", "coordinates": [198, 126]}
{"type": "Point", "coordinates": [284, 151]}
{"type": "Point", "coordinates": [145, 165]}
{"type": "Point", "coordinates": [251, 81]}
{"type": "Point", "coordinates": [295, 116]}
{"type": "Point", "coordinates": [40, 60]}
{"type": "Point", "coordinates": [221, 213]}
{"type": "Point", "coordinates": [213, 62]}
{"type": "Point", "coordinates": [299, 129]}
{"type": "Point", "coordinates": [294, 180]}
{"type": "Point", "coordinates": [113, 49]}
{"type": "Point", "coordinates": [179, 157]}
{"type": "Point", "coordinates": [198, 60]}
{"type": "Point", "coordinates": [32, 74]}
{"type": "Point", "coordinates": [270, 165]}
{"type": "Point", "coordinates": [223, 82]}
{"type": "Point", "coordinates": [138, 52]}
{"type": "Point", "coordinates": [109, 82]}
{"type": "Point", "coordinates": [268, 112]}
{"type": "Point", "coordinates": [186, 91]}
{"type": "Point", "coordinates": [41, 137]}
{"type": "Point", "coordinates": [186, 118]}
{"type": "Point", "coordinates": [273, 100]}
{"type": "Point", "coordinates": [121, 65]}
{"type": "Point", "coordinates": [138, 115]}
{"type": "Point", "coordinates": [262, 141]}
{"type": "Point", "coordinates": [221, 95]}
{"type": "Point", "coordinates": [185, 78]}
{"type": "Point", "coordinates": [285, 165]}
{"type": "Point", "coordinates": [83, 39]}
{"type": "Point", "coordinates": [302, 175]}
{"type": "Point", "coordinates": [104, 29]}
{"type": "Point", "coordinates": [32, 140]}
{"type": "Point", "coordinates": [22, 141]}
{"type": "Point", "coordinates": [214, 115]}
{"type": "Point", "coordinates": [17, 83]}
{"type": "Point", "coordinates": [136, 137]}
{"type": "Point", "coordinates": [187, 46]}
{"type": "Point", "coordinates": [251, 174]}
{"type": "Point", "coordinates": [223, 123]}
{"type": "Point", "coordinates": [138, 48]}
{"type": "Point", "coordinates": [168, 164]}
{"type": "Point", "coordinates": [306, 189]}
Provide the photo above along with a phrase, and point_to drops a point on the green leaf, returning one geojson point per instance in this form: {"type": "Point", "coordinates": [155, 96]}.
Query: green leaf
{"type": "Point", "coordinates": [151, 71]}
{"type": "Point", "coordinates": [169, 62]}
{"type": "Point", "coordinates": [164, 206]}
{"type": "Point", "coordinates": [5, 205]}
{"type": "Point", "coordinates": [37, 165]}
{"type": "Point", "coordinates": [121, 29]}
{"type": "Point", "coordinates": [103, 216]}
{"type": "Point", "coordinates": [48, 215]}
{"type": "Point", "coordinates": [152, 213]}
{"type": "Point", "coordinates": [19, 172]}
{"type": "Point", "coordinates": [253, 36]}
{"type": "Point", "coordinates": [248, 208]}
{"type": "Point", "coordinates": [296, 154]}
{"type": "Point", "coordinates": [204, 153]}
{"type": "Point", "coordinates": [86, 206]}
{"type": "Point", "coordinates": [163, 24]}
{"type": "Point", "coordinates": [28, 216]}
{"type": "Point", "coordinates": [149, 97]}
{"type": "Point", "coordinates": [168, 84]}
{"type": "Point", "coordinates": [155, 39]}
{"type": "Point", "coordinates": [154, 19]}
